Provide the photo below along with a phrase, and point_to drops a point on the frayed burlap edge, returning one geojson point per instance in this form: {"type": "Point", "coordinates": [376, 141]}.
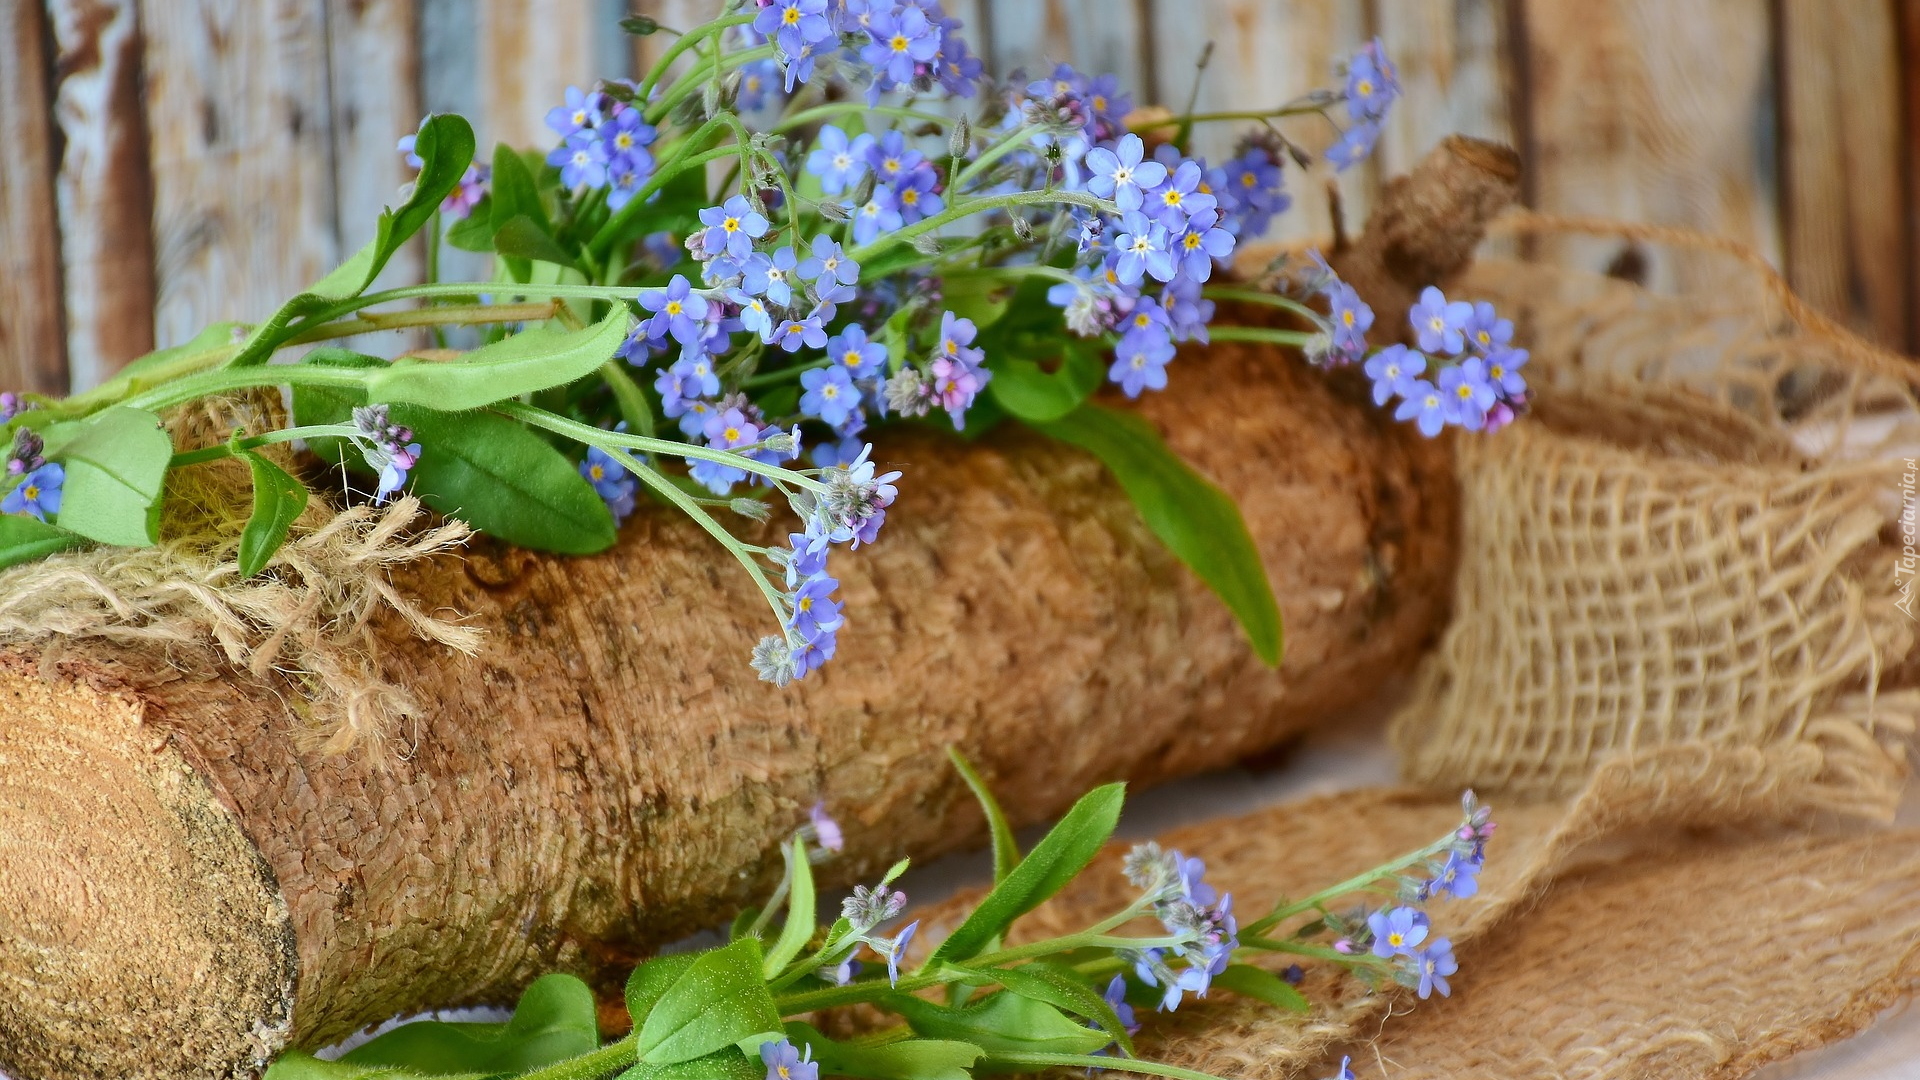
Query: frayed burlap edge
{"type": "Point", "coordinates": [307, 617]}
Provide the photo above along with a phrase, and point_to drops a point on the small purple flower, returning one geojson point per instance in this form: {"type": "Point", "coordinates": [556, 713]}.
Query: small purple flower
{"type": "Point", "coordinates": [466, 194]}
{"type": "Point", "coordinates": [695, 375]}
{"type": "Point", "coordinates": [393, 475]}
{"type": "Point", "coordinates": [852, 351]}
{"type": "Point", "coordinates": [732, 228]}
{"type": "Point", "coordinates": [628, 136]}
{"type": "Point", "coordinates": [825, 829]}
{"type": "Point", "coordinates": [1486, 331]}
{"type": "Point", "coordinates": [1440, 325]}
{"type": "Point", "coordinates": [811, 654]}
{"type": "Point", "coordinates": [756, 82]}
{"type": "Point", "coordinates": [916, 197]}
{"type": "Point", "coordinates": [611, 481]}
{"type": "Point", "coordinates": [1503, 373]}
{"type": "Point", "coordinates": [878, 214]}
{"type": "Point", "coordinates": [814, 609]}
{"type": "Point", "coordinates": [1459, 877]}
{"type": "Point", "coordinates": [1468, 392]}
{"type": "Point", "coordinates": [901, 40]}
{"type": "Point", "coordinates": [1346, 1070]}
{"type": "Point", "coordinates": [1433, 964]}
{"type": "Point", "coordinates": [1120, 174]}
{"type": "Point", "coordinates": [829, 263]}
{"type": "Point", "coordinates": [582, 160]}
{"type": "Point", "coordinates": [1142, 249]}
{"type": "Point", "coordinates": [830, 394]}
{"type": "Point", "coordinates": [1192, 871]}
{"type": "Point", "coordinates": [777, 276]}
{"type": "Point", "coordinates": [10, 405]}
{"type": "Point", "coordinates": [755, 317]}
{"type": "Point", "coordinates": [1188, 312]}
{"type": "Point", "coordinates": [39, 492]}
{"type": "Point", "coordinates": [25, 454]}
{"type": "Point", "coordinates": [1141, 364]}
{"type": "Point", "coordinates": [1372, 83]}
{"type": "Point", "coordinates": [897, 948]}
{"type": "Point", "coordinates": [1397, 931]}
{"type": "Point", "coordinates": [1116, 996]}
{"type": "Point", "coordinates": [792, 24]}
{"type": "Point", "coordinates": [582, 110]}
{"type": "Point", "coordinates": [1391, 368]}
{"type": "Point", "coordinates": [729, 430]}
{"type": "Point", "coordinates": [1423, 403]}
{"type": "Point", "coordinates": [1351, 317]}
{"type": "Point", "coordinates": [1200, 243]}
{"type": "Point", "coordinates": [1178, 198]}
{"type": "Point", "coordinates": [956, 334]}
{"type": "Point", "coordinates": [677, 311]}
{"type": "Point", "coordinates": [892, 159]}
{"type": "Point", "coordinates": [792, 334]}
{"type": "Point", "coordinates": [839, 162]}
{"type": "Point", "coordinates": [1353, 146]}
{"type": "Point", "coordinates": [784, 1061]}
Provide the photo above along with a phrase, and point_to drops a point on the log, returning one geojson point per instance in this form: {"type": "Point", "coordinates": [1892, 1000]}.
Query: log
{"type": "Point", "coordinates": [187, 886]}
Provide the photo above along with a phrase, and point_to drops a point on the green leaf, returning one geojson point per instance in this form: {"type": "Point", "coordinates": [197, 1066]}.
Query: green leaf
{"type": "Point", "coordinates": [800, 923]}
{"type": "Point", "coordinates": [24, 539]}
{"type": "Point", "coordinates": [475, 231]}
{"type": "Point", "coordinates": [1055, 860]}
{"type": "Point", "coordinates": [651, 981]}
{"type": "Point", "coordinates": [1196, 520]}
{"type": "Point", "coordinates": [635, 409]}
{"type": "Point", "coordinates": [532, 360]}
{"type": "Point", "coordinates": [1062, 988]}
{"type": "Point", "coordinates": [294, 1065]}
{"type": "Point", "coordinates": [522, 237]}
{"type": "Point", "coordinates": [719, 1000]}
{"type": "Point", "coordinates": [982, 299]}
{"type": "Point", "coordinates": [555, 1020]}
{"type": "Point", "coordinates": [277, 500]}
{"type": "Point", "coordinates": [480, 467]}
{"type": "Point", "coordinates": [907, 1059]}
{"type": "Point", "coordinates": [515, 194]}
{"type": "Point", "coordinates": [116, 463]}
{"type": "Point", "coordinates": [1006, 851]}
{"type": "Point", "coordinates": [1026, 391]}
{"type": "Point", "coordinates": [1262, 985]}
{"type": "Point", "coordinates": [445, 145]}
{"type": "Point", "coordinates": [214, 338]}
{"type": "Point", "coordinates": [727, 1064]}
{"type": "Point", "coordinates": [1003, 1022]}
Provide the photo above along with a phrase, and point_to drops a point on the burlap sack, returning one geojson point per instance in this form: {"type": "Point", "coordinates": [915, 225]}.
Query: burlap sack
{"type": "Point", "coordinates": [1686, 555]}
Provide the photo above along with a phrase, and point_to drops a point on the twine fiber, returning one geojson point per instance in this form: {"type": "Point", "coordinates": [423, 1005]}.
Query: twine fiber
{"type": "Point", "coordinates": [307, 615]}
{"type": "Point", "coordinates": [1686, 554]}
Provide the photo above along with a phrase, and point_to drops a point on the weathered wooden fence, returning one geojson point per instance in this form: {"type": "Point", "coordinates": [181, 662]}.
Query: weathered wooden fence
{"type": "Point", "coordinates": [167, 163]}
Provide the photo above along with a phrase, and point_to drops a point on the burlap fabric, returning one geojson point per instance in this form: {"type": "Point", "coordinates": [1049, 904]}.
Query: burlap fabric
{"type": "Point", "coordinates": [1686, 556]}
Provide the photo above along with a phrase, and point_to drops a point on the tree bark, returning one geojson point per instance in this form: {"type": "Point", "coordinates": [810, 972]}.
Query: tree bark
{"type": "Point", "coordinates": [185, 889]}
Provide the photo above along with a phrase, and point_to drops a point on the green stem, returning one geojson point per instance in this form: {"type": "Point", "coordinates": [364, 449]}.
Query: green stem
{"type": "Point", "coordinates": [1069, 942]}
{"type": "Point", "coordinates": [682, 44]}
{"type": "Point", "coordinates": [1087, 1061]}
{"type": "Point", "coordinates": [224, 450]}
{"type": "Point", "coordinates": [1353, 884]}
{"type": "Point", "coordinates": [978, 206]}
{"type": "Point", "coordinates": [593, 436]}
{"type": "Point", "coordinates": [211, 383]}
{"type": "Point", "coordinates": [117, 388]}
{"type": "Point", "coordinates": [994, 153]}
{"type": "Point", "coordinates": [845, 108]}
{"type": "Point", "coordinates": [594, 1064]}
{"type": "Point", "coordinates": [1260, 333]}
{"type": "Point", "coordinates": [857, 992]}
{"type": "Point", "coordinates": [691, 81]}
{"type": "Point", "coordinates": [460, 315]}
{"type": "Point", "coordinates": [1255, 296]}
{"type": "Point", "coordinates": [1247, 114]}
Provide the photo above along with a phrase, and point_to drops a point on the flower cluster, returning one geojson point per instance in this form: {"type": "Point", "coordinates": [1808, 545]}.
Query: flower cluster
{"type": "Point", "coordinates": [1372, 86]}
{"type": "Point", "coordinates": [1198, 919]}
{"type": "Point", "coordinates": [864, 911]}
{"type": "Point", "coordinates": [1399, 933]}
{"type": "Point", "coordinates": [1466, 373]}
{"type": "Point", "coordinates": [603, 145]}
{"type": "Point", "coordinates": [388, 448]}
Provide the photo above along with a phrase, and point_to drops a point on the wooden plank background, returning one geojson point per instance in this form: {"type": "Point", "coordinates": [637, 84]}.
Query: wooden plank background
{"type": "Point", "coordinates": [175, 162]}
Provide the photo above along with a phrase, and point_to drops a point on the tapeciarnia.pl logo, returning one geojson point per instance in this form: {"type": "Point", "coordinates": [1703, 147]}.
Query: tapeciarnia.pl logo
{"type": "Point", "coordinates": [1909, 562]}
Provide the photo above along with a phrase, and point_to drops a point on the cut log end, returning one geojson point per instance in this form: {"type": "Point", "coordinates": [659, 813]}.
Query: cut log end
{"type": "Point", "coordinates": [126, 889]}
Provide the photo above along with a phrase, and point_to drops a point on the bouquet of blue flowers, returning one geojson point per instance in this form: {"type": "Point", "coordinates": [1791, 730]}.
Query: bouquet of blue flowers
{"type": "Point", "coordinates": [974, 1002]}
{"type": "Point", "coordinates": [809, 219]}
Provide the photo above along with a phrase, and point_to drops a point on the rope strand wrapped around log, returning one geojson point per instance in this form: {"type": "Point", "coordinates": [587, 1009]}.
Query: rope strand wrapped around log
{"type": "Point", "coordinates": [189, 884]}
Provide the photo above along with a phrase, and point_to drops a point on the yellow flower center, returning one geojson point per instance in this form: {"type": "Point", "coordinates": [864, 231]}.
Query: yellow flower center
{"type": "Point", "coordinates": [805, 604]}
{"type": "Point", "coordinates": [1497, 371]}
{"type": "Point", "coordinates": [732, 224]}
{"type": "Point", "coordinates": [673, 307]}
{"type": "Point", "coordinates": [830, 392]}
{"type": "Point", "coordinates": [731, 434]}
{"type": "Point", "coordinates": [624, 140]}
{"type": "Point", "coordinates": [1193, 241]}
{"type": "Point", "coordinates": [1248, 179]}
{"type": "Point", "coordinates": [1347, 317]}
{"type": "Point", "coordinates": [899, 43]}
{"type": "Point", "coordinates": [791, 18]}
{"type": "Point", "coordinates": [1099, 103]}
{"type": "Point", "coordinates": [851, 358]}
{"type": "Point", "coordinates": [31, 493]}
{"type": "Point", "coordinates": [1396, 940]}
{"type": "Point", "coordinates": [1172, 197]}
{"type": "Point", "coordinates": [1365, 87]}
{"type": "Point", "coordinates": [1141, 320]}
{"type": "Point", "coordinates": [911, 197]}
{"type": "Point", "coordinates": [596, 472]}
{"type": "Point", "coordinates": [1463, 392]}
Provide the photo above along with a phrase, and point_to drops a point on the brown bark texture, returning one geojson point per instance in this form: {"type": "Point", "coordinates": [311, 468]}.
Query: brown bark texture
{"type": "Point", "coordinates": [185, 888]}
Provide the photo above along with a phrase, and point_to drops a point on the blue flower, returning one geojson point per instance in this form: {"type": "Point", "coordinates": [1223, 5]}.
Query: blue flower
{"type": "Point", "coordinates": [826, 455]}
{"type": "Point", "coordinates": [1191, 872]}
{"type": "Point", "coordinates": [582, 110]}
{"type": "Point", "coordinates": [1188, 312]}
{"type": "Point", "coordinates": [393, 475]}
{"type": "Point", "coordinates": [1200, 243]}
{"type": "Point", "coordinates": [1459, 877]}
{"type": "Point", "coordinates": [732, 228]}
{"type": "Point", "coordinates": [830, 394]}
{"type": "Point", "coordinates": [793, 24]}
{"type": "Point", "coordinates": [1440, 325]}
{"type": "Point", "coordinates": [695, 373]}
{"type": "Point", "coordinates": [611, 481]}
{"type": "Point", "coordinates": [1120, 174]}
{"type": "Point", "coordinates": [582, 160]}
{"type": "Point", "coordinates": [1432, 965]}
{"type": "Point", "coordinates": [851, 350]}
{"type": "Point", "coordinates": [1353, 146]}
{"type": "Point", "coordinates": [956, 67]}
{"type": "Point", "coordinates": [625, 181]}
{"type": "Point", "coordinates": [1468, 392]}
{"type": "Point", "coordinates": [1391, 368]}
{"type": "Point", "coordinates": [1147, 322]}
{"type": "Point", "coordinates": [1397, 931]}
{"type": "Point", "coordinates": [725, 431]}
{"type": "Point", "coordinates": [1346, 1069]}
{"type": "Point", "coordinates": [877, 215]}
{"type": "Point", "coordinates": [784, 1061]}
{"type": "Point", "coordinates": [757, 80]}
{"type": "Point", "coordinates": [1503, 373]}
{"type": "Point", "coordinates": [825, 829]}
{"type": "Point", "coordinates": [1486, 331]}
{"type": "Point", "coordinates": [812, 653]}
{"type": "Point", "coordinates": [1116, 996]}
{"type": "Point", "coordinates": [896, 949]}
{"type": "Point", "coordinates": [694, 414]}
{"type": "Point", "coordinates": [1107, 106]}
{"type": "Point", "coordinates": [39, 492]}
{"type": "Point", "coordinates": [1352, 318]}
{"type": "Point", "coordinates": [677, 311]}
{"type": "Point", "coordinates": [838, 161]}
{"type": "Point", "coordinates": [755, 318]}
{"type": "Point", "coordinates": [814, 609]}
{"type": "Point", "coordinates": [627, 137]}
{"type": "Point", "coordinates": [1372, 83]}
{"type": "Point", "coordinates": [1178, 198]}
{"type": "Point", "coordinates": [830, 263]}
{"type": "Point", "coordinates": [1141, 249]}
{"type": "Point", "coordinates": [916, 196]}
{"type": "Point", "coordinates": [1423, 403]}
{"type": "Point", "coordinates": [1140, 363]}
{"type": "Point", "coordinates": [794, 333]}
{"type": "Point", "coordinates": [1257, 185]}
{"type": "Point", "coordinates": [901, 39]}
{"type": "Point", "coordinates": [892, 159]}
{"type": "Point", "coordinates": [777, 276]}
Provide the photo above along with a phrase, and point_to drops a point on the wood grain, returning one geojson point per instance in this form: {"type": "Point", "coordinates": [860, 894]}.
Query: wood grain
{"type": "Point", "coordinates": [103, 185]}
{"type": "Point", "coordinates": [239, 121]}
{"type": "Point", "coordinates": [373, 72]}
{"type": "Point", "coordinates": [1842, 144]}
{"type": "Point", "coordinates": [1097, 36]}
{"type": "Point", "coordinates": [1648, 111]}
{"type": "Point", "coordinates": [32, 352]}
{"type": "Point", "coordinates": [1452, 58]}
{"type": "Point", "coordinates": [531, 51]}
